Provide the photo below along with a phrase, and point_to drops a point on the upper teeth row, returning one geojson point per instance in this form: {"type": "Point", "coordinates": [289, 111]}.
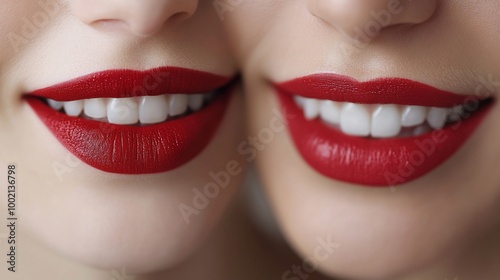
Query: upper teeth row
{"type": "Point", "coordinates": [128, 111]}
{"type": "Point", "coordinates": [379, 121]}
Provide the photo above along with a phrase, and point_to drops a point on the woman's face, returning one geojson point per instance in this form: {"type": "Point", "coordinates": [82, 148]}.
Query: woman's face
{"type": "Point", "coordinates": [377, 157]}
{"type": "Point", "coordinates": [110, 177]}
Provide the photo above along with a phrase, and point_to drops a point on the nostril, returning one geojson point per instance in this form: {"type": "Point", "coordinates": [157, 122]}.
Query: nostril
{"type": "Point", "coordinates": [110, 24]}
{"type": "Point", "coordinates": [180, 16]}
{"type": "Point", "coordinates": [141, 18]}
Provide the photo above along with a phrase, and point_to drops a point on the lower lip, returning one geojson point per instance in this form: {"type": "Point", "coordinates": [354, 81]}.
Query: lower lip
{"type": "Point", "coordinates": [374, 162]}
{"type": "Point", "coordinates": [135, 149]}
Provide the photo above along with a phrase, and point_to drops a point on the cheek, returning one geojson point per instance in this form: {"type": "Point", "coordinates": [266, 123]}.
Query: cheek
{"type": "Point", "coordinates": [244, 25]}
{"type": "Point", "coordinates": [390, 232]}
{"type": "Point", "coordinates": [21, 22]}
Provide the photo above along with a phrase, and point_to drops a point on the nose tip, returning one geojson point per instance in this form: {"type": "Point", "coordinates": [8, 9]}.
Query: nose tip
{"type": "Point", "coordinates": [148, 20]}
{"type": "Point", "coordinates": [371, 17]}
{"type": "Point", "coordinates": [141, 17]}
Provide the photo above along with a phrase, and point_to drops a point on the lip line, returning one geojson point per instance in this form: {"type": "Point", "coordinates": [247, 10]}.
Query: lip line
{"type": "Point", "coordinates": [134, 150]}
{"type": "Point", "coordinates": [398, 91]}
{"type": "Point", "coordinates": [369, 162]}
{"type": "Point", "coordinates": [123, 83]}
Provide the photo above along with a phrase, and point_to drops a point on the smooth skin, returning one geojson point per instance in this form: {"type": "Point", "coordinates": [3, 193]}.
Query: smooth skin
{"type": "Point", "coordinates": [444, 225]}
{"type": "Point", "coordinates": [72, 216]}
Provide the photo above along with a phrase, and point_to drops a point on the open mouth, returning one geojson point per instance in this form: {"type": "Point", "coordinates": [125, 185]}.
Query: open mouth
{"type": "Point", "coordinates": [382, 133]}
{"type": "Point", "coordinates": [146, 110]}
{"type": "Point", "coordinates": [135, 122]}
{"type": "Point", "coordinates": [378, 121]}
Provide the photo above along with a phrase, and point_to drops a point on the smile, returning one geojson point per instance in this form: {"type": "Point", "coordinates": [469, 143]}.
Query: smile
{"type": "Point", "coordinates": [134, 110]}
{"type": "Point", "coordinates": [381, 133]}
{"type": "Point", "coordinates": [135, 122]}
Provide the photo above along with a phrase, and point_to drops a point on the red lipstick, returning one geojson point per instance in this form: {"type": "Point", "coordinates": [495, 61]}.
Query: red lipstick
{"type": "Point", "coordinates": [131, 83]}
{"type": "Point", "coordinates": [369, 161]}
{"type": "Point", "coordinates": [380, 91]}
{"type": "Point", "coordinates": [135, 149]}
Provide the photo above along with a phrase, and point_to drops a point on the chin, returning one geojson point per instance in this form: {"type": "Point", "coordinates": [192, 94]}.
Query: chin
{"type": "Point", "coordinates": [143, 223]}
{"type": "Point", "coordinates": [420, 225]}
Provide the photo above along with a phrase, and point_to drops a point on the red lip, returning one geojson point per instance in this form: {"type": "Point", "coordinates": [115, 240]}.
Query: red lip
{"type": "Point", "coordinates": [134, 149]}
{"type": "Point", "coordinates": [373, 162]}
{"type": "Point", "coordinates": [379, 91]}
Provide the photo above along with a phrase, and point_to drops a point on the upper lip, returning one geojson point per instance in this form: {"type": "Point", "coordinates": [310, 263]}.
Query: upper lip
{"type": "Point", "coordinates": [368, 161]}
{"type": "Point", "coordinates": [379, 91]}
{"type": "Point", "coordinates": [131, 83]}
{"type": "Point", "coordinates": [126, 149]}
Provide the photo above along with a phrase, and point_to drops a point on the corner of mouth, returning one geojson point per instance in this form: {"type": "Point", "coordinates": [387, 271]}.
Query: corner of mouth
{"type": "Point", "coordinates": [377, 140]}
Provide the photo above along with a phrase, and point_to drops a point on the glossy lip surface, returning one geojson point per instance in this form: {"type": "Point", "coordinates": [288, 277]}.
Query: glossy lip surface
{"type": "Point", "coordinates": [367, 161]}
{"type": "Point", "coordinates": [134, 149]}
{"type": "Point", "coordinates": [131, 83]}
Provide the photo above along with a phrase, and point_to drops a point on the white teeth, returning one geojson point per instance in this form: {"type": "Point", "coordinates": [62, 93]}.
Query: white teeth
{"type": "Point", "coordinates": [459, 110]}
{"type": "Point", "coordinates": [420, 130]}
{"type": "Point", "coordinates": [95, 108]}
{"type": "Point", "coordinates": [73, 108]}
{"type": "Point", "coordinates": [413, 116]}
{"type": "Point", "coordinates": [299, 100]}
{"type": "Point", "coordinates": [311, 108]}
{"type": "Point", "coordinates": [153, 109]}
{"type": "Point", "coordinates": [330, 112]}
{"type": "Point", "coordinates": [455, 113]}
{"type": "Point", "coordinates": [133, 110]}
{"type": "Point", "coordinates": [437, 117]}
{"type": "Point", "coordinates": [386, 121]}
{"type": "Point", "coordinates": [178, 104]}
{"type": "Point", "coordinates": [378, 121]}
{"type": "Point", "coordinates": [56, 105]}
{"type": "Point", "coordinates": [355, 120]}
{"type": "Point", "coordinates": [195, 101]}
{"type": "Point", "coordinates": [123, 111]}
